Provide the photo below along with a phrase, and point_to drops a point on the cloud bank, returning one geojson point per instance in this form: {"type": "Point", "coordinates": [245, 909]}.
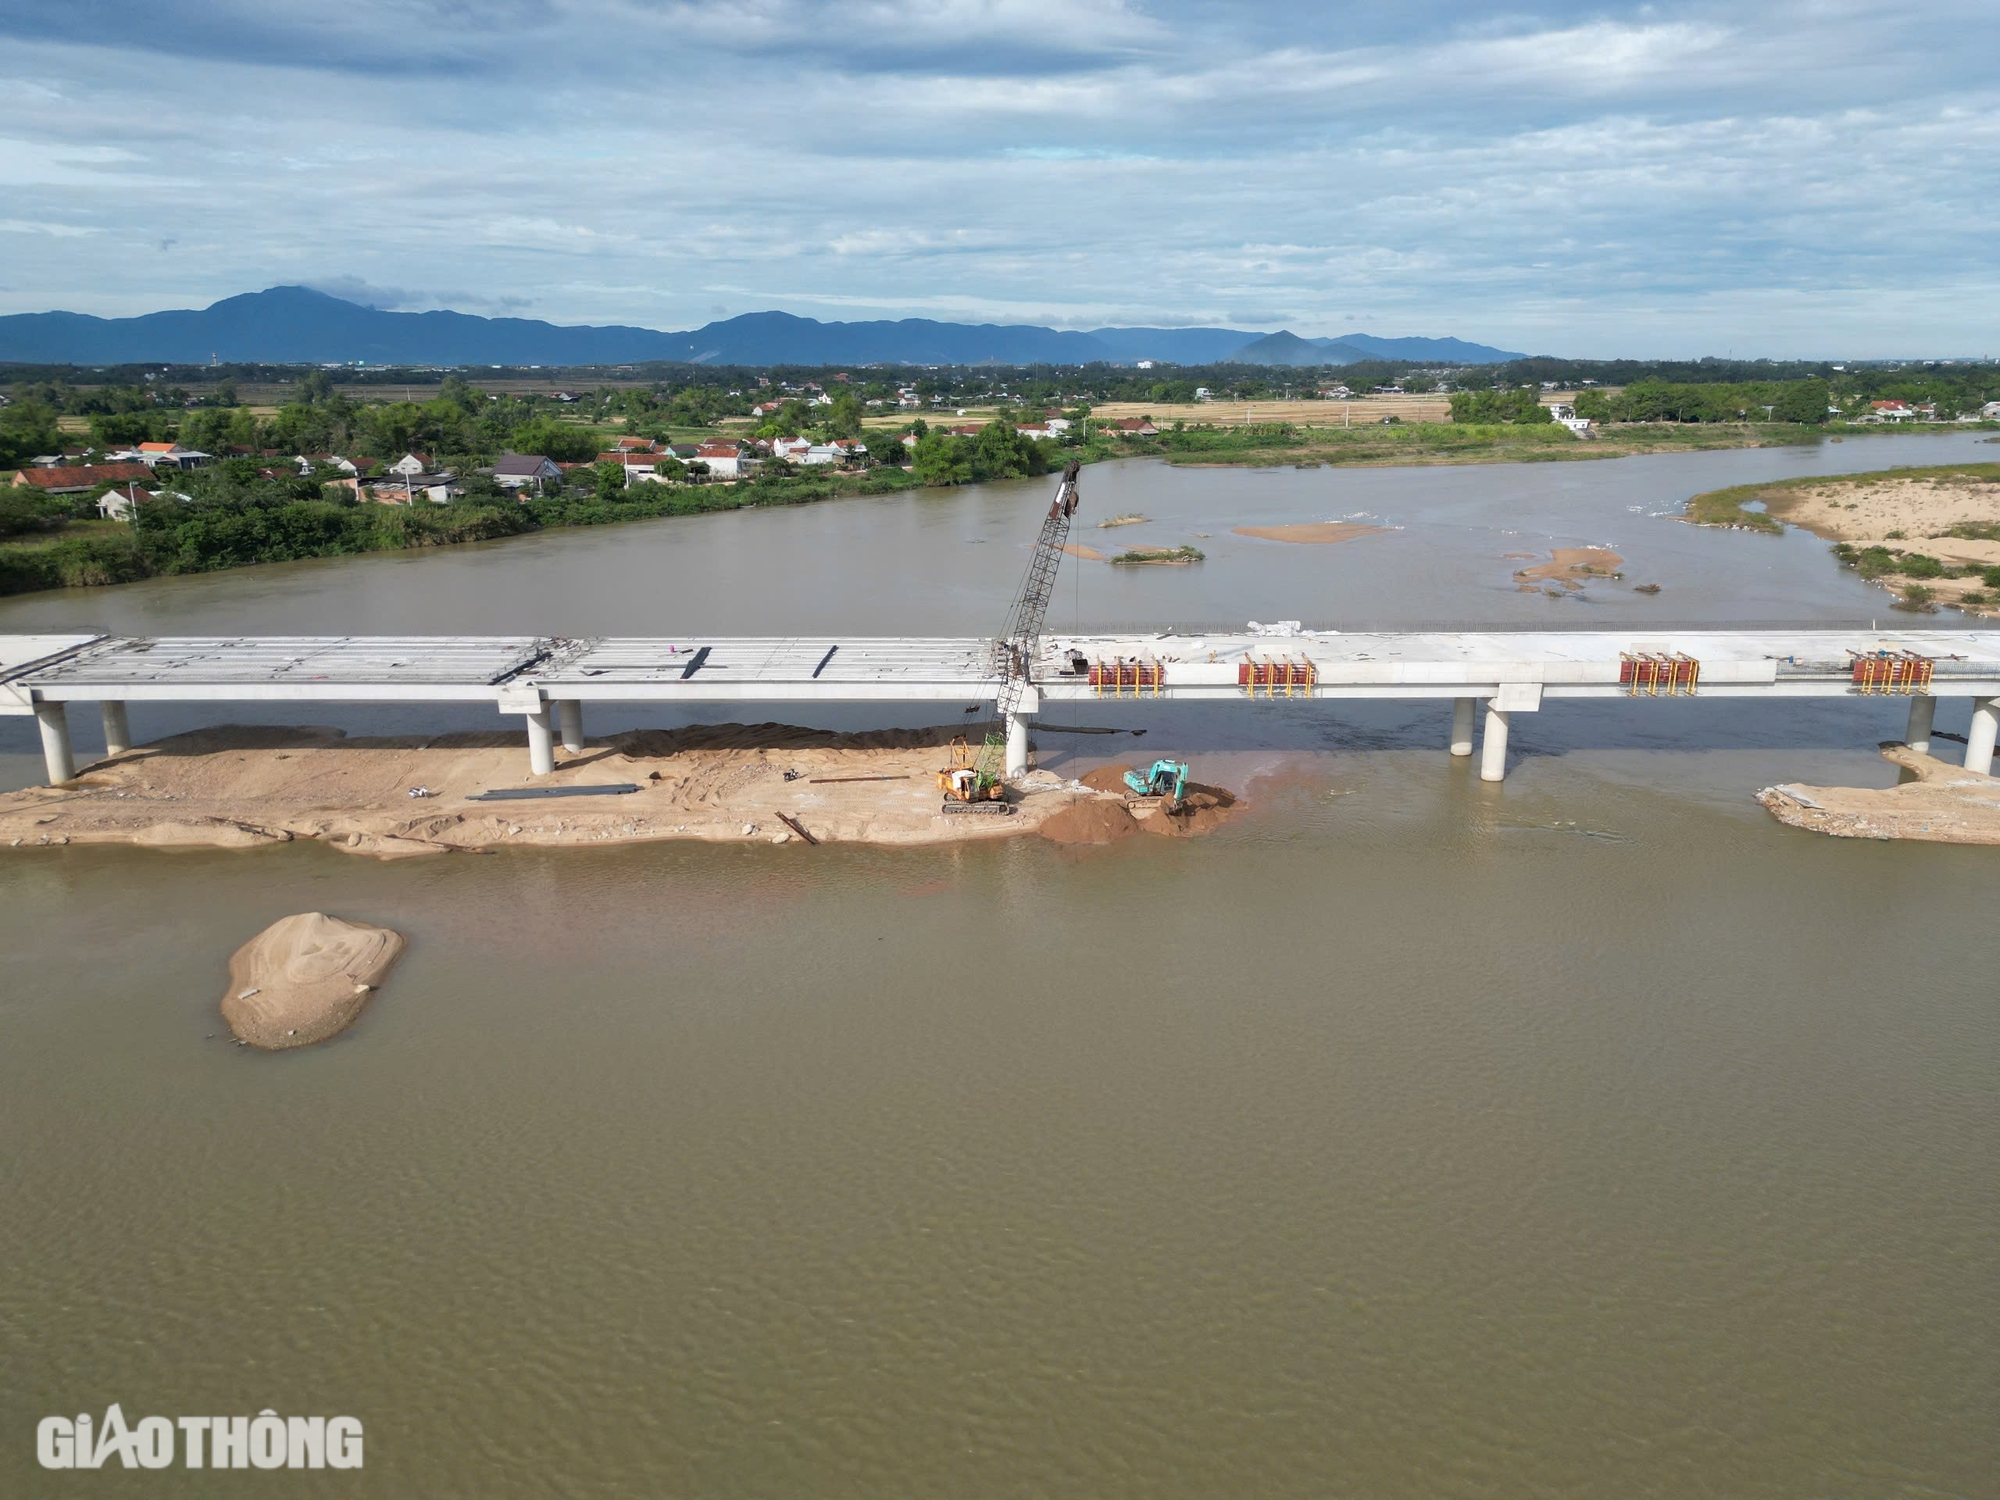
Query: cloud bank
{"type": "Point", "coordinates": [1812, 177]}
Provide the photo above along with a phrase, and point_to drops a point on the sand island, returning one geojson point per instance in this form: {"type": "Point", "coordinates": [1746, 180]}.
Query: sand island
{"type": "Point", "coordinates": [1945, 804]}
{"type": "Point", "coordinates": [305, 978]}
{"type": "Point", "coordinates": [245, 787]}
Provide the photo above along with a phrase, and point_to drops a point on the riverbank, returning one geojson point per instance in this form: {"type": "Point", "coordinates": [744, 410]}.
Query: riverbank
{"type": "Point", "coordinates": [244, 787]}
{"type": "Point", "coordinates": [1931, 536]}
{"type": "Point", "coordinates": [1945, 804]}
{"type": "Point", "coordinates": [88, 555]}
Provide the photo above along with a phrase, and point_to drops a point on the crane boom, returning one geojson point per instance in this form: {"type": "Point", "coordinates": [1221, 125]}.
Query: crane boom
{"type": "Point", "coordinates": [1015, 651]}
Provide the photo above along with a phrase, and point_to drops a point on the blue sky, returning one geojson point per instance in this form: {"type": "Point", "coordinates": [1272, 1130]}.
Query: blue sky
{"type": "Point", "coordinates": [1815, 177]}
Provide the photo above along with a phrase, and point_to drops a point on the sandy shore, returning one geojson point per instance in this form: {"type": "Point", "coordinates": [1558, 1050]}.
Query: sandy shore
{"type": "Point", "coordinates": [1313, 532]}
{"type": "Point", "coordinates": [1946, 804]}
{"type": "Point", "coordinates": [1907, 515]}
{"type": "Point", "coordinates": [239, 787]}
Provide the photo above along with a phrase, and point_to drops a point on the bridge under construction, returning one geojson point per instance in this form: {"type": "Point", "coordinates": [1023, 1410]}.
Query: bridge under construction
{"type": "Point", "coordinates": [552, 683]}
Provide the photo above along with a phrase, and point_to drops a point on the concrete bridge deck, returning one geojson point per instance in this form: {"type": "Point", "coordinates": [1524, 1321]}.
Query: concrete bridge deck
{"type": "Point", "coordinates": [549, 679]}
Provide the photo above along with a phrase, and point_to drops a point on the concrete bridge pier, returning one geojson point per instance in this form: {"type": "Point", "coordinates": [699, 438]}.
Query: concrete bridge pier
{"type": "Point", "coordinates": [1461, 725]}
{"type": "Point", "coordinates": [117, 728]}
{"type": "Point", "coordinates": [570, 712]}
{"type": "Point", "coordinates": [1979, 738]}
{"type": "Point", "coordinates": [61, 764]}
{"type": "Point", "coordinates": [1493, 747]}
{"type": "Point", "coordinates": [541, 742]}
{"type": "Point", "coordinates": [1017, 745]}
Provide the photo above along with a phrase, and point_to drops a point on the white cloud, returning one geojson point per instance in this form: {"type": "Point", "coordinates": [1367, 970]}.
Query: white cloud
{"type": "Point", "coordinates": [1027, 159]}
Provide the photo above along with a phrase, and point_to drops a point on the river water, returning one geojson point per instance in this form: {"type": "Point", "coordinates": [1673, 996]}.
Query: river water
{"type": "Point", "coordinates": [1589, 1134]}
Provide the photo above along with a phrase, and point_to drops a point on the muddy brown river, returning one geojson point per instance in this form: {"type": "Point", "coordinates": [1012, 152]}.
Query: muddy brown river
{"type": "Point", "coordinates": [1590, 1134]}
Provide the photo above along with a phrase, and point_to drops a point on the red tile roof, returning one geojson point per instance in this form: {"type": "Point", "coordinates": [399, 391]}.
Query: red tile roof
{"type": "Point", "coordinates": [81, 476]}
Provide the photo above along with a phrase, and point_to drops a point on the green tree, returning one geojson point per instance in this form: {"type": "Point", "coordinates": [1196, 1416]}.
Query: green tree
{"type": "Point", "coordinates": [27, 428]}
{"type": "Point", "coordinates": [1802, 401]}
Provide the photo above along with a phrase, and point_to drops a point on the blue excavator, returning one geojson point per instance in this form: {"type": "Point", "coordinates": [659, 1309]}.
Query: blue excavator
{"type": "Point", "coordinates": [1165, 778]}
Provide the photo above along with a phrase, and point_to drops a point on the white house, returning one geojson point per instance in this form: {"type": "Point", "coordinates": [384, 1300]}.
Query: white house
{"type": "Point", "coordinates": [791, 447]}
{"type": "Point", "coordinates": [118, 504]}
{"type": "Point", "coordinates": [724, 460]}
{"type": "Point", "coordinates": [410, 465]}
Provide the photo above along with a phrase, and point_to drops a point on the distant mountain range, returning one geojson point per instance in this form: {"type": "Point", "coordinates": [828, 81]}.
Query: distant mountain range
{"type": "Point", "coordinates": [296, 325]}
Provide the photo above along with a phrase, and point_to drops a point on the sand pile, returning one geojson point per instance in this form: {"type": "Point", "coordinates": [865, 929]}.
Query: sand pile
{"type": "Point", "coordinates": [1203, 810]}
{"type": "Point", "coordinates": [305, 978]}
{"type": "Point", "coordinates": [1090, 820]}
{"type": "Point", "coordinates": [1946, 804]}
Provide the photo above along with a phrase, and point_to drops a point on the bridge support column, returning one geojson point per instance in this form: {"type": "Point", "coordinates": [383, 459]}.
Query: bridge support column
{"type": "Point", "coordinates": [570, 712]}
{"type": "Point", "coordinates": [1979, 738]}
{"type": "Point", "coordinates": [1918, 733]}
{"type": "Point", "coordinates": [56, 756]}
{"type": "Point", "coordinates": [117, 728]}
{"type": "Point", "coordinates": [1461, 725]}
{"type": "Point", "coordinates": [541, 742]}
{"type": "Point", "coordinates": [1493, 748]}
{"type": "Point", "coordinates": [1017, 745]}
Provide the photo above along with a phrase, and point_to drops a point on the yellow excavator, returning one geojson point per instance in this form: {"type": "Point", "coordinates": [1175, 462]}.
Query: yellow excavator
{"type": "Point", "coordinates": [964, 783]}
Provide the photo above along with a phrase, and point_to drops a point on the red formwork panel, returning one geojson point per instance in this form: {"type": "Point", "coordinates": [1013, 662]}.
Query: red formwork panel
{"type": "Point", "coordinates": [1892, 672]}
{"type": "Point", "coordinates": [1274, 677]}
{"type": "Point", "coordinates": [1658, 674]}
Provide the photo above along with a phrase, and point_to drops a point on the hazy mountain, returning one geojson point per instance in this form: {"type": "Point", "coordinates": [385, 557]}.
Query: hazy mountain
{"type": "Point", "coordinates": [1178, 346]}
{"type": "Point", "coordinates": [775, 338]}
{"type": "Point", "coordinates": [1287, 348]}
{"type": "Point", "coordinates": [1431, 351]}
{"type": "Point", "coordinates": [296, 325]}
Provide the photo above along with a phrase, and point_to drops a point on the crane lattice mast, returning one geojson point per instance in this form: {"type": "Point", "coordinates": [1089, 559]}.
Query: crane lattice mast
{"type": "Point", "coordinates": [1014, 653]}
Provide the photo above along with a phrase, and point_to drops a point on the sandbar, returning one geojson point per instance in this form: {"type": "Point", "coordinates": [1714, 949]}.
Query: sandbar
{"type": "Point", "coordinates": [1946, 804]}
{"type": "Point", "coordinates": [1570, 566]}
{"type": "Point", "coordinates": [1313, 532]}
{"type": "Point", "coordinates": [246, 787]}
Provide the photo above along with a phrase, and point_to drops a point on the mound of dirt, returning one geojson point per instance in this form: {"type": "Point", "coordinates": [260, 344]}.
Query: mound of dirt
{"type": "Point", "coordinates": [1203, 810]}
{"type": "Point", "coordinates": [1106, 779]}
{"type": "Point", "coordinates": [305, 978]}
{"type": "Point", "coordinates": [1090, 820]}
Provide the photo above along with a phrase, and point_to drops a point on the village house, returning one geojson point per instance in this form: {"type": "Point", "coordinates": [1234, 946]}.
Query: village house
{"type": "Point", "coordinates": [118, 504]}
{"type": "Point", "coordinates": [793, 447]}
{"type": "Point", "coordinates": [74, 479]}
{"type": "Point", "coordinates": [173, 455]}
{"type": "Point", "coordinates": [724, 460]}
{"type": "Point", "coordinates": [519, 471]}
{"type": "Point", "coordinates": [411, 464]}
{"type": "Point", "coordinates": [1135, 427]}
